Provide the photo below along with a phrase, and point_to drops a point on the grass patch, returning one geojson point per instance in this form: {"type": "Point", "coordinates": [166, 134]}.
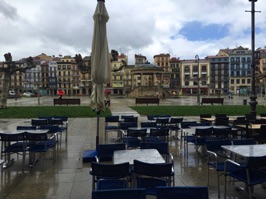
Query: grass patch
{"type": "Point", "coordinates": [36, 111]}
{"type": "Point", "coordinates": [232, 110]}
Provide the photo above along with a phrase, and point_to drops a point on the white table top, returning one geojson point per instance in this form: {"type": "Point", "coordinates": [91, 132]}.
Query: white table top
{"type": "Point", "coordinates": [144, 155]}
{"type": "Point", "coordinates": [247, 151]}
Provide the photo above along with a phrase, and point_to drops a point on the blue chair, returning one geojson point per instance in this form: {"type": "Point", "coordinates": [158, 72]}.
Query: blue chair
{"type": "Point", "coordinates": [174, 125]}
{"type": "Point", "coordinates": [65, 120]}
{"type": "Point", "coordinates": [134, 136]}
{"type": "Point", "coordinates": [119, 194]}
{"type": "Point", "coordinates": [187, 138]}
{"type": "Point", "coordinates": [105, 152]}
{"type": "Point", "coordinates": [251, 173]}
{"type": "Point", "coordinates": [201, 135]}
{"type": "Point", "coordinates": [123, 126]}
{"type": "Point", "coordinates": [19, 128]}
{"type": "Point", "coordinates": [40, 143]}
{"type": "Point", "coordinates": [215, 158]}
{"type": "Point", "coordinates": [152, 117]}
{"type": "Point", "coordinates": [148, 125]}
{"type": "Point", "coordinates": [111, 125]}
{"type": "Point", "coordinates": [221, 132]}
{"type": "Point", "coordinates": [158, 135]}
{"type": "Point", "coordinates": [39, 122]}
{"type": "Point", "coordinates": [110, 176]}
{"type": "Point", "coordinates": [13, 143]}
{"type": "Point", "coordinates": [149, 176]}
{"type": "Point", "coordinates": [182, 192]}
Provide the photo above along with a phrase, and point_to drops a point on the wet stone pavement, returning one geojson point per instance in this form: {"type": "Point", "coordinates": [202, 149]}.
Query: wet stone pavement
{"type": "Point", "coordinates": [69, 177]}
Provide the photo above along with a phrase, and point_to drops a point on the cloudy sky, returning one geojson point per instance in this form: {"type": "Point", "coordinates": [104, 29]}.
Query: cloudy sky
{"type": "Point", "coordinates": [182, 28]}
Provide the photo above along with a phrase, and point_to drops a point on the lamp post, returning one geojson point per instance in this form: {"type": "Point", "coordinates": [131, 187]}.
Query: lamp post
{"type": "Point", "coordinates": [253, 95]}
{"type": "Point", "coordinates": [198, 95]}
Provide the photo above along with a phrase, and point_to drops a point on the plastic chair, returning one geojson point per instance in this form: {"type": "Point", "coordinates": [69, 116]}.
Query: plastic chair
{"type": "Point", "coordinates": [244, 141]}
{"type": "Point", "coordinates": [215, 158]}
{"type": "Point", "coordinates": [111, 125]}
{"type": "Point", "coordinates": [174, 125]}
{"type": "Point", "coordinates": [158, 135]}
{"type": "Point", "coordinates": [131, 119]}
{"type": "Point", "coordinates": [201, 135]}
{"type": "Point", "coordinates": [221, 132]}
{"type": "Point", "coordinates": [39, 122]}
{"type": "Point", "coordinates": [14, 143]}
{"type": "Point", "coordinates": [252, 173]}
{"type": "Point", "coordinates": [220, 115]}
{"type": "Point", "coordinates": [40, 143]}
{"type": "Point", "coordinates": [149, 176]}
{"type": "Point", "coordinates": [123, 126]}
{"type": "Point", "coordinates": [221, 121]}
{"type": "Point", "coordinates": [152, 117]}
{"type": "Point", "coordinates": [134, 136]}
{"type": "Point", "coordinates": [60, 123]}
{"type": "Point", "coordinates": [110, 176]}
{"type": "Point", "coordinates": [19, 128]}
{"type": "Point", "coordinates": [105, 152]}
{"type": "Point", "coordinates": [182, 192]}
{"type": "Point", "coordinates": [148, 125]}
{"type": "Point", "coordinates": [119, 194]}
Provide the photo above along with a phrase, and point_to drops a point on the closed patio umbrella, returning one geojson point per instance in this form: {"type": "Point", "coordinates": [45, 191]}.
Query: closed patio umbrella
{"type": "Point", "coordinates": [100, 60]}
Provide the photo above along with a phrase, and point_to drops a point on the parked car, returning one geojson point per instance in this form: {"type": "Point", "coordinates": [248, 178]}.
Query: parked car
{"type": "Point", "coordinates": [28, 94]}
{"type": "Point", "coordinates": [11, 92]}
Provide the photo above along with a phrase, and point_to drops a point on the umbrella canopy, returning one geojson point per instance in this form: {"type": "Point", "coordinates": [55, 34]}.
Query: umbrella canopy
{"type": "Point", "coordinates": [100, 60]}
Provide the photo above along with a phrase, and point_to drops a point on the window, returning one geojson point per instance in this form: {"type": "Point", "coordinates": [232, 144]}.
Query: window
{"type": "Point", "coordinates": [249, 81]}
{"type": "Point", "coordinates": [243, 81]}
{"type": "Point", "coordinates": [237, 81]}
{"type": "Point", "coordinates": [232, 81]}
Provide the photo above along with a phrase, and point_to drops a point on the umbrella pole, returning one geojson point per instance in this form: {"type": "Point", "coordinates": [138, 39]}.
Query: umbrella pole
{"type": "Point", "coordinates": [98, 127]}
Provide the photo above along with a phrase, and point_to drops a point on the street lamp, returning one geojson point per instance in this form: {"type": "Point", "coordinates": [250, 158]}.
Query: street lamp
{"type": "Point", "coordinates": [253, 95]}
{"type": "Point", "coordinates": [198, 95]}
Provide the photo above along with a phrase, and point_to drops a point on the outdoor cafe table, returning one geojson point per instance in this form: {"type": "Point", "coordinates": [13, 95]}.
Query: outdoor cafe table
{"type": "Point", "coordinates": [247, 151]}
{"type": "Point", "coordinates": [32, 159]}
{"type": "Point", "coordinates": [144, 155]}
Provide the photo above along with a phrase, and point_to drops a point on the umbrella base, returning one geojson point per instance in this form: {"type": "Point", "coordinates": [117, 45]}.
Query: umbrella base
{"type": "Point", "coordinates": [89, 156]}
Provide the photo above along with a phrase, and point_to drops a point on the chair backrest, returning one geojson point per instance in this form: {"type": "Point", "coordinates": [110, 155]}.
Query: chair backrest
{"type": "Point", "coordinates": [187, 124]}
{"type": "Point", "coordinates": [220, 115]}
{"type": "Point", "coordinates": [39, 122]}
{"type": "Point", "coordinates": [159, 132]}
{"type": "Point", "coordinates": [153, 170]}
{"type": "Point", "coordinates": [126, 116]}
{"type": "Point", "coordinates": [162, 121]}
{"type": "Point", "coordinates": [39, 137]}
{"type": "Point", "coordinates": [126, 125]}
{"type": "Point", "coordinates": [26, 127]}
{"type": "Point", "coordinates": [205, 116]}
{"type": "Point", "coordinates": [222, 121]}
{"type": "Point", "coordinates": [119, 194]}
{"type": "Point", "coordinates": [142, 132]}
{"type": "Point", "coordinates": [131, 119]}
{"type": "Point", "coordinates": [46, 118]}
{"type": "Point", "coordinates": [244, 141]}
{"type": "Point", "coordinates": [176, 120]}
{"type": "Point", "coordinates": [203, 131]}
{"type": "Point", "coordinates": [216, 145]}
{"type": "Point", "coordinates": [105, 152]}
{"type": "Point", "coordinates": [12, 137]}
{"type": "Point", "coordinates": [162, 147]}
{"type": "Point", "coordinates": [152, 117]}
{"type": "Point", "coordinates": [57, 121]}
{"type": "Point", "coordinates": [112, 118]}
{"type": "Point", "coordinates": [221, 132]}
{"type": "Point", "coordinates": [182, 192]}
{"type": "Point", "coordinates": [148, 124]}
{"type": "Point", "coordinates": [110, 170]}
